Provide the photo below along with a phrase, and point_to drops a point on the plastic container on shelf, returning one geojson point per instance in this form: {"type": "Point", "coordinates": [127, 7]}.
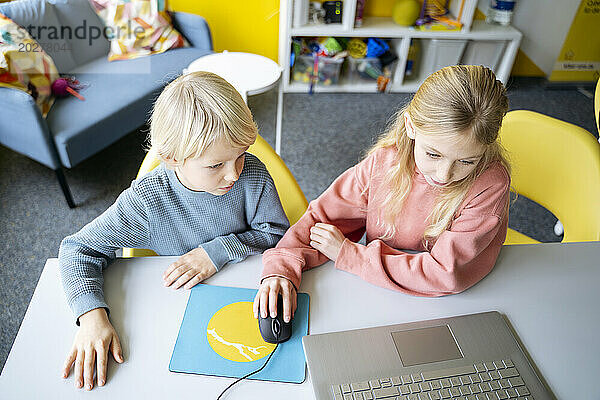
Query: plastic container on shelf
{"type": "Point", "coordinates": [329, 69]}
{"type": "Point", "coordinates": [436, 54]}
{"type": "Point", "coordinates": [484, 52]}
{"type": "Point", "coordinates": [364, 69]}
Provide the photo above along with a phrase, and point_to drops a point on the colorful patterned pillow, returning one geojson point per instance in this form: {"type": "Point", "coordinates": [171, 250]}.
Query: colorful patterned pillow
{"type": "Point", "coordinates": [137, 28]}
{"type": "Point", "coordinates": [24, 65]}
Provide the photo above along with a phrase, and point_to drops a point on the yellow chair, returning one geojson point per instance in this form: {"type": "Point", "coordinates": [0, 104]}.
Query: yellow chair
{"type": "Point", "coordinates": [597, 106]}
{"type": "Point", "coordinates": [557, 165]}
{"type": "Point", "coordinates": [292, 199]}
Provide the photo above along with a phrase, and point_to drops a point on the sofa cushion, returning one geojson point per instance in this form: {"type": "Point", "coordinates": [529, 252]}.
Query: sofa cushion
{"type": "Point", "coordinates": [119, 98]}
{"type": "Point", "coordinates": [139, 28]}
{"type": "Point", "coordinates": [88, 40]}
{"type": "Point", "coordinates": [39, 18]}
{"type": "Point", "coordinates": [24, 66]}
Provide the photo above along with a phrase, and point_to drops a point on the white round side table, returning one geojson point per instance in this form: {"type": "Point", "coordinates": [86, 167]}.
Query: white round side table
{"type": "Point", "coordinates": [249, 73]}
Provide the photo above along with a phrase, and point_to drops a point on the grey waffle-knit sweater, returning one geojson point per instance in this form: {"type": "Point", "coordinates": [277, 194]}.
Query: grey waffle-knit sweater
{"type": "Point", "coordinates": [159, 213]}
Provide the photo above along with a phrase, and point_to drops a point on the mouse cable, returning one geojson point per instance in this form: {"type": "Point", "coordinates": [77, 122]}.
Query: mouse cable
{"type": "Point", "coordinates": [250, 374]}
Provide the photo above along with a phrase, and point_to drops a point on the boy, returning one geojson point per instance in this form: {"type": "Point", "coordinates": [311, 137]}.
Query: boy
{"type": "Point", "coordinates": [208, 200]}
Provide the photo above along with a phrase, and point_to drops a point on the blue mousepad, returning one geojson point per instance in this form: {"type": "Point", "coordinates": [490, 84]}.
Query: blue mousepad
{"type": "Point", "coordinates": [219, 336]}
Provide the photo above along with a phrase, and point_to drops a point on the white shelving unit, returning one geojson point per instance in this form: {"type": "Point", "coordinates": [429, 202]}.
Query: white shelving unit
{"type": "Point", "coordinates": [492, 45]}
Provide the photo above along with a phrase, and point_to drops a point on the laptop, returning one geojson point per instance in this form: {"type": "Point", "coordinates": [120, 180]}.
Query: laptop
{"type": "Point", "coordinates": [466, 357]}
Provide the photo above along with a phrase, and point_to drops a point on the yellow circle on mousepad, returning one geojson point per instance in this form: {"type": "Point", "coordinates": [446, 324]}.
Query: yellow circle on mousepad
{"type": "Point", "coordinates": [233, 333]}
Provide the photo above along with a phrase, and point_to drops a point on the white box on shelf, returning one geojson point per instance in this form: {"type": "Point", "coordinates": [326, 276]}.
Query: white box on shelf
{"type": "Point", "coordinates": [484, 52]}
{"type": "Point", "coordinates": [439, 53]}
{"type": "Point", "coordinates": [463, 10]}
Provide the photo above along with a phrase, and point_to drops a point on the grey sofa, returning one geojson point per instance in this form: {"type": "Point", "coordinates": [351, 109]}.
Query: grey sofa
{"type": "Point", "coordinates": [119, 94]}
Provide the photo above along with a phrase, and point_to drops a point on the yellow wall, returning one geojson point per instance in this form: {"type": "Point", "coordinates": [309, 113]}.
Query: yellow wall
{"type": "Point", "coordinates": [524, 66]}
{"type": "Point", "coordinates": [236, 25]}
{"type": "Point", "coordinates": [379, 8]}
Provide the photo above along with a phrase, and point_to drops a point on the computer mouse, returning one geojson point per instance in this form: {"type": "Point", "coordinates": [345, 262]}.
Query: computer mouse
{"type": "Point", "coordinates": [275, 330]}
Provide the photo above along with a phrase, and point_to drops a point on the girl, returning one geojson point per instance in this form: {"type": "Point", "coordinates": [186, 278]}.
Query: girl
{"type": "Point", "coordinates": [437, 182]}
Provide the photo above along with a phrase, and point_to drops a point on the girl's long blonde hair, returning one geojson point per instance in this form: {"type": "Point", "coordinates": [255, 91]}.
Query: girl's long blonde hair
{"type": "Point", "coordinates": [456, 100]}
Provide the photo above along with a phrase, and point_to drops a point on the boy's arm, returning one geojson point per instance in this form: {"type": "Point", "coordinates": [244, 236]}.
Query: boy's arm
{"type": "Point", "coordinates": [268, 223]}
{"type": "Point", "coordinates": [84, 255]}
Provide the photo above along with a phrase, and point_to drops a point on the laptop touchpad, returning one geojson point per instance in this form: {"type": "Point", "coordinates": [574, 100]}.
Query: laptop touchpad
{"type": "Point", "coordinates": [426, 345]}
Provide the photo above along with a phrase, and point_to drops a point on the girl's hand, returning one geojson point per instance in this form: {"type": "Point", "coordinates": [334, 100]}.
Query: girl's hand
{"type": "Point", "coordinates": [266, 298]}
{"type": "Point", "coordinates": [95, 337]}
{"type": "Point", "coordinates": [189, 269]}
{"type": "Point", "coordinates": [327, 239]}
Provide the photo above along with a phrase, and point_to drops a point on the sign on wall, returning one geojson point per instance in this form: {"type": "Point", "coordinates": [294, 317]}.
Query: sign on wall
{"type": "Point", "coordinates": [579, 59]}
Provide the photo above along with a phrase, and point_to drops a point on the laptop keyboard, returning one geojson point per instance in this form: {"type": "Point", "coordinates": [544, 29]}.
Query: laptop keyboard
{"type": "Point", "coordinates": [492, 380]}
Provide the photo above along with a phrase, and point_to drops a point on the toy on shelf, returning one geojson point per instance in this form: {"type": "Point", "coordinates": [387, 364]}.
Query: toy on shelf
{"type": "Point", "coordinates": [376, 47]}
{"type": "Point", "coordinates": [364, 68]}
{"type": "Point", "coordinates": [413, 51]}
{"type": "Point", "coordinates": [357, 48]}
{"type": "Point", "coordinates": [382, 83]}
{"type": "Point", "coordinates": [333, 11]}
{"type": "Point", "coordinates": [316, 13]}
{"type": "Point", "coordinates": [406, 12]}
{"type": "Point", "coordinates": [314, 76]}
{"type": "Point", "coordinates": [441, 24]}
{"type": "Point", "coordinates": [387, 58]}
{"type": "Point", "coordinates": [435, 16]}
{"type": "Point", "coordinates": [430, 9]}
{"type": "Point", "coordinates": [312, 46]}
{"type": "Point", "coordinates": [331, 46]}
{"type": "Point", "coordinates": [373, 64]}
{"type": "Point", "coordinates": [360, 7]}
{"type": "Point", "coordinates": [296, 50]}
{"type": "Point", "coordinates": [317, 70]}
{"type": "Point", "coordinates": [318, 61]}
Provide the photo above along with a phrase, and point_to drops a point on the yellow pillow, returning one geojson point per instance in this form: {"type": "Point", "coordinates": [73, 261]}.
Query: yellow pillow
{"type": "Point", "coordinates": [24, 65]}
{"type": "Point", "coordinates": [137, 28]}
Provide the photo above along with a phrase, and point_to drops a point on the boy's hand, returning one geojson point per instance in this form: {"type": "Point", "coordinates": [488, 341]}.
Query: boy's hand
{"type": "Point", "coordinates": [266, 298]}
{"type": "Point", "coordinates": [189, 269]}
{"type": "Point", "coordinates": [95, 337]}
{"type": "Point", "coordinates": [328, 239]}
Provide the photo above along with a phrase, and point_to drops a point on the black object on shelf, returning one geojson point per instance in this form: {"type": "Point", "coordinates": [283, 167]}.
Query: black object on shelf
{"type": "Point", "coordinates": [387, 58]}
{"type": "Point", "coordinates": [333, 11]}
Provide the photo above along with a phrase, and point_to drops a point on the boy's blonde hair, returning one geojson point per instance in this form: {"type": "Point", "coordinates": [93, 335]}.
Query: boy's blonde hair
{"type": "Point", "coordinates": [193, 112]}
{"type": "Point", "coordinates": [456, 100]}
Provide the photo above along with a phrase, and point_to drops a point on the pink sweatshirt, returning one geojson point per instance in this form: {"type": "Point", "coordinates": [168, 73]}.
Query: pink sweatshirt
{"type": "Point", "coordinates": [460, 257]}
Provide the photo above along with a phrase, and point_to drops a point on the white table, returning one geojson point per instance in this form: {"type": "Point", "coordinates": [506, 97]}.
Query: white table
{"type": "Point", "coordinates": [249, 73]}
{"type": "Point", "coordinates": [549, 293]}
